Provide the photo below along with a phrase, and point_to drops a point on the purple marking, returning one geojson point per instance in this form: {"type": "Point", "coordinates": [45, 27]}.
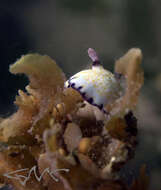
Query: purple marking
{"type": "Point", "coordinates": [80, 87]}
{"type": "Point", "coordinates": [101, 106]}
{"type": "Point", "coordinates": [73, 84]}
{"type": "Point", "coordinates": [90, 100]}
{"type": "Point", "coordinates": [83, 94]}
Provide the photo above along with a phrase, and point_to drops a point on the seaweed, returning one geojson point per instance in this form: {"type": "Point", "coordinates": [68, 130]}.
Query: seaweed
{"type": "Point", "coordinates": [54, 128]}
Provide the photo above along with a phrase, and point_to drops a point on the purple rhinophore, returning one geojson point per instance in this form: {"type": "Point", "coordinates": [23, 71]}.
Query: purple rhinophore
{"type": "Point", "coordinates": [93, 55]}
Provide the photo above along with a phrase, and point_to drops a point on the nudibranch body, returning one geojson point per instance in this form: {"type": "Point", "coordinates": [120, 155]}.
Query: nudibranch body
{"type": "Point", "coordinates": [97, 86]}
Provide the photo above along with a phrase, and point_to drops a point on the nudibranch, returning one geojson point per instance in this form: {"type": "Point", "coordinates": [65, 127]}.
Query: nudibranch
{"type": "Point", "coordinates": [97, 86]}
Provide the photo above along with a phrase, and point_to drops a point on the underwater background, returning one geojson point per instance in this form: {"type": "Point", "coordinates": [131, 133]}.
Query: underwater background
{"type": "Point", "coordinates": [64, 30]}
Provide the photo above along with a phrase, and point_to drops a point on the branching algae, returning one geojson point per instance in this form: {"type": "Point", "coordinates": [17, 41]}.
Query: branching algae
{"type": "Point", "coordinates": [58, 127]}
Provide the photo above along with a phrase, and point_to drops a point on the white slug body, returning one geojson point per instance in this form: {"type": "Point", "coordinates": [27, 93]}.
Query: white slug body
{"type": "Point", "coordinates": [97, 86]}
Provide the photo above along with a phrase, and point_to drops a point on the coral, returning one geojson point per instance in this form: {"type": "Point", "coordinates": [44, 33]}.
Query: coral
{"type": "Point", "coordinates": [57, 131]}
